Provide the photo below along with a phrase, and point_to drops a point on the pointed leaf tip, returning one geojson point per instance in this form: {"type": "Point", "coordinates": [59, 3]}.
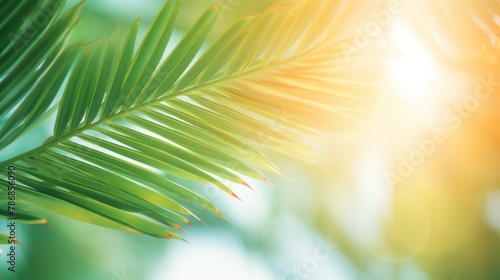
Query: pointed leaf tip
{"type": "Point", "coordinates": [220, 214]}
{"type": "Point", "coordinates": [247, 185]}
{"type": "Point", "coordinates": [234, 195]}
{"type": "Point", "coordinates": [268, 182]}
{"type": "Point", "coordinates": [180, 228]}
{"type": "Point", "coordinates": [201, 221]}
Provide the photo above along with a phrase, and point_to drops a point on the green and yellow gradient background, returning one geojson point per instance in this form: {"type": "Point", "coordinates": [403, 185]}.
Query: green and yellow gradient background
{"type": "Point", "coordinates": [440, 221]}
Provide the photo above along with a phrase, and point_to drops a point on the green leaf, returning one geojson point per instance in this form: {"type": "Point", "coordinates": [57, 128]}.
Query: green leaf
{"type": "Point", "coordinates": [133, 133]}
{"type": "Point", "coordinates": [5, 238]}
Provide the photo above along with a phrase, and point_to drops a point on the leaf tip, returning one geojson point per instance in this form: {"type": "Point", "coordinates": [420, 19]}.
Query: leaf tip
{"type": "Point", "coordinates": [268, 182]}
{"type": "Point", "coordinates": [235, 195]}
{"type": "Point", "coordinates": [247, 185]}
{"type": "Point", "coordinates": [180, 228]}
{"type": "Point", "coordinates": [220, 214]}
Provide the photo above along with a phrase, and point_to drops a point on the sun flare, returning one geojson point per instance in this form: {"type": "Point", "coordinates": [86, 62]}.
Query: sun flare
{"type": "Point", "coordinates": [413, 68]}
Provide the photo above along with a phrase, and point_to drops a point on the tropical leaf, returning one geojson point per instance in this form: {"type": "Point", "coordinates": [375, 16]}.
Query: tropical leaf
{"type": "Point", "coordinates": [33, 64]}
{"type": "Point", "coordinates": [130, 125]}
{"type": "Point", "coordinates": [22, 216]}
{"type": "Point", "coordinates": [5, 238]}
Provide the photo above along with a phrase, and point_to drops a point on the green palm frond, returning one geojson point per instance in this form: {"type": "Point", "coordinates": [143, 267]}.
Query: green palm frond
{"type": "Point", "coordinates": [126, 117]}
{"type": "Point", "coordinates": [34, 61]}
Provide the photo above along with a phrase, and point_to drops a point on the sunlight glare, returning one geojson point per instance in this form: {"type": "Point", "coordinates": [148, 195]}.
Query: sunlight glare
{"type": "Point", "coordinates": [415, 68]}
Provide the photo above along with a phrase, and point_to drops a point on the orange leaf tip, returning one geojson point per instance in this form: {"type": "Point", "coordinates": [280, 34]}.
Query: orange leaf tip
{"type": "Point", "coordinates": [220, 214]}
{"type": "Point", "coordinates": [180, 228]}
{"type": "Point", "coordinates": [233, 194]}
{"type": "Point", "coordinates": [247, 185]}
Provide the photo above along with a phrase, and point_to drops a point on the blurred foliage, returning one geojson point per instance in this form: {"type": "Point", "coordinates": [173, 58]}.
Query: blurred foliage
{"type": "Point", "coordinates": [101, 18]}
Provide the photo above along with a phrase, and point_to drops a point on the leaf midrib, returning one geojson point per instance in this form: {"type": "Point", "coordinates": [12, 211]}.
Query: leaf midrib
{"type": "Point", "coordinates": [55, 142]}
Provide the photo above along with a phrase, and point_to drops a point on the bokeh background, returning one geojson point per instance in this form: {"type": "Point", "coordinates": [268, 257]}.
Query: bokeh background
{"type": "Point", "coordinates": [389, 203]}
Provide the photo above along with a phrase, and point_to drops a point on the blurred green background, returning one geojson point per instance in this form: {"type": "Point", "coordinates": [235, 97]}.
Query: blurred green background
{"type": "Point", "coordinates": [317, 224]}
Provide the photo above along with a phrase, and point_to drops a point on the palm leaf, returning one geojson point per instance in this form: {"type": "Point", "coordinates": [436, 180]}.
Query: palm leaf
{"type": "Point", "coordinates": [34, 63]}
{"type": "Point", "coordinates": [125, 121]}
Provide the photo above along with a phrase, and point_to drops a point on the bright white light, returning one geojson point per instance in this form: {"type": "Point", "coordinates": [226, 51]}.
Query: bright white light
{"type": "Point", "coordinates": [375, 196]}
{"type": "Point", "coordinates": [212, 257]}
{"type": "Point", "coordinates": [254, 212]}
{"type": "Point", "coordinates": [414, 68]}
